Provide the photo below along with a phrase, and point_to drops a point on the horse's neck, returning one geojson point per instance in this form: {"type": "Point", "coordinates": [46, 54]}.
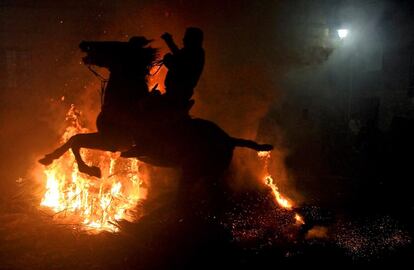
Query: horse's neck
{"type": "Point", "coordinates": [123, 79]}
{"type": "Point", "coordinates": [125, 86]}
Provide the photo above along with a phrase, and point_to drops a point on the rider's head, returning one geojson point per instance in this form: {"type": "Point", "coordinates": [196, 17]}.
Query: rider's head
{"type": "Point", "coordinates": [193, 37]}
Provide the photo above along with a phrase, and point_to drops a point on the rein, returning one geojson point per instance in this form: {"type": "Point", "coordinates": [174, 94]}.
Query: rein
{"type": "Point", "coordinates": [158, 63]}
{"type": "Point", "coordinates": [103, 80]}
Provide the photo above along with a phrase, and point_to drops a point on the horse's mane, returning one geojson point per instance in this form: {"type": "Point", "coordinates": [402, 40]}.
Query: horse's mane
{"type": "Point", "coordinates": [140, 60]}
{"type": "Point", "coordinates": [151, 57]}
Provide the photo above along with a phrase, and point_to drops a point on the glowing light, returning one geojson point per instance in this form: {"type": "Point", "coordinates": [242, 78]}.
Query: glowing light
{"type": "Point", "coordinates": [342, 33]}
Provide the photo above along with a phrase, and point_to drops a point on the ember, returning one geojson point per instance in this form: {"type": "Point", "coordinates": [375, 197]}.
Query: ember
{"type": "Point", "coordinates": [95, 205]}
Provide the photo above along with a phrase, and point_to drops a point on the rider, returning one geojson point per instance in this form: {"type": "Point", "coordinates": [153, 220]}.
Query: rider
{"type": "Point", "coordinates": [184, 69]}
{"type": "Point", "coordinates": [184, 66]}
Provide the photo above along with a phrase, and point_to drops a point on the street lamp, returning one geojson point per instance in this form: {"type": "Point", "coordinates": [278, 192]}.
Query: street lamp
{"type": "Point", "coordinates": [342, 33]}
{"type": "Point", "coordinates": [347, 48]}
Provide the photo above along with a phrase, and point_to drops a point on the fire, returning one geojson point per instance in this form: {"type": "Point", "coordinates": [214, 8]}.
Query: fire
{"type": "Point", "coordinates": [281, 200]}
{"type": "Point", "coordinates": [94, 204]}
{"type": "Point", "coordinates": [299, 219]}
{"type": "Point", "coordinates": [268, 180]}
{"type": "Point", "coordinates": [97, 204]}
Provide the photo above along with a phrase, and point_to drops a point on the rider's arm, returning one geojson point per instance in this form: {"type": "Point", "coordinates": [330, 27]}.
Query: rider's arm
{"type": "Point", "coordinates": [170, 43]}
{"type": "Point", "coordinates": [169, 61]}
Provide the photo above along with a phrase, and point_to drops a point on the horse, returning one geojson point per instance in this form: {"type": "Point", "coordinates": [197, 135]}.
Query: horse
{"type": "Point", "coordinates": [129, 65]}
{"type": "Point", "coordinates": [157, 135]}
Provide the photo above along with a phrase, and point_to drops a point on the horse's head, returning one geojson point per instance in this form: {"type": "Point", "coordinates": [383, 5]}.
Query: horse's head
{"type": "Point", "coordinates": [134, 54]}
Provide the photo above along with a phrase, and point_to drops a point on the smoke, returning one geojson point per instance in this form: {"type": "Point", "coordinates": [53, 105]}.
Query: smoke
{"type": "Point", "coordinates": [325, 87]}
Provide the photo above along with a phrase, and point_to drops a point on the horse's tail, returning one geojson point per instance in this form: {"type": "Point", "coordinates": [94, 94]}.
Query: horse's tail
{"type": "Point", "coordinates": [237, 142]}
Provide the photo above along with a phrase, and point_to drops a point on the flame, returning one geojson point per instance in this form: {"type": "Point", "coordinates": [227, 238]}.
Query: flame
{"type": "Point", "coordinates": [268, 180]}
{"type": "Point", "coordinates": [97, 204]}
{"type": "Point", "coordinates": [299, 219]}
{"type": "Point", "coordinates": [281, 200]}
{"type": "Point", "coordinates": [94, 204]}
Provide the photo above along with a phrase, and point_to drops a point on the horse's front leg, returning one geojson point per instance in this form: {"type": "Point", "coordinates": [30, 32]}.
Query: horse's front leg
{"type": "Point", "coordinates": [57, 153]}
{"type": "Point", "coordinates": [75, 143]}
{"type": "Point", "coordinates": [90, 141]}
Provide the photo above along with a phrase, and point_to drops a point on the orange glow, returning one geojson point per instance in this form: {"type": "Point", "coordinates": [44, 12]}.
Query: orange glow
{"type": "Point", "coordinates": [157, 78]}
{"type": "Point", "coordinates": [95, 204]}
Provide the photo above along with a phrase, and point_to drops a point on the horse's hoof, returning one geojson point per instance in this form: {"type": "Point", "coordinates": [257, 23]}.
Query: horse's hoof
{"type": "Point", "coordinates": [91, 170]}
{"type": "Point", "coordinates": [46, 160]}
{"type": "Point", "coordinates": [95, 171]}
